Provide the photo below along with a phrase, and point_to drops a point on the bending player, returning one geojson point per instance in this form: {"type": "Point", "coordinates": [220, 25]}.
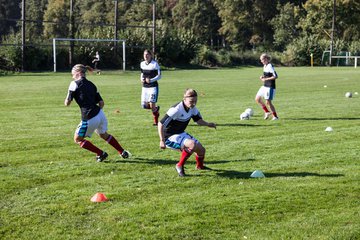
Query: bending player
{"type": "Point", "coordinates": [172, 131]}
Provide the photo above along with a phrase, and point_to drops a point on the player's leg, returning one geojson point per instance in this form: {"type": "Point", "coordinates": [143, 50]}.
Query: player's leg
{"type": "Point", "coordinates": [101, 130]}
{"type": "Point", "coordinates": [177, 142]}
{"type": "Point", "coordinates": [85, 129]}
{"type": "Point", "coordinates": [144, 102]}
{"type": "Point", "coordinates": [269, 99]}
{"type": "Point", "coordinates": [152, 101]}
{"type": "Point", "coordinates": [259, 101]}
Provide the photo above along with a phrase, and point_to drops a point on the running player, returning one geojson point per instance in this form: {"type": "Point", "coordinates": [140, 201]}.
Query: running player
{"type": "Point", "coordinates": [92, 116]}
{"type": "Point", "coordinates": [150, 75]}
{"type": "Point", "coordinates": [172, 131]}
{"type": "Point", "coordinates": [268, 90]}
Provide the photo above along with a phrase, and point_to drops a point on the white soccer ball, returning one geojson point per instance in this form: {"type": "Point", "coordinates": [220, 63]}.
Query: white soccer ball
{"type": "Point", "coordinates": [244, 116]}
{"type": "Point", "coordinates": [348, 94]}
{"type": "Point", "coordinates": [250, 112]}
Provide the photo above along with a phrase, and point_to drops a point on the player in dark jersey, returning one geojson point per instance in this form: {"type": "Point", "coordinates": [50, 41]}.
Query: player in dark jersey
{"type": "Point", "coordinates": [92, 116]}
{"type": "Point", "coordinates": [267, 91]}
{"type": "Point", "coordinates": [149, 77]}
{"type": "Point", "coordinates": [172, 131]}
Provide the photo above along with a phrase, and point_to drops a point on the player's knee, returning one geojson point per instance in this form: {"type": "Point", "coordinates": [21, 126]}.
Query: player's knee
{"type": "Point", "coordinates": [145, 106]}
{"type": "Point", "coordinates": [78, 139]}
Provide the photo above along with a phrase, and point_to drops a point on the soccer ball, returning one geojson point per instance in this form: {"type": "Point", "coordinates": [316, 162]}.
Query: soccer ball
{"type": "Point", "coordinates": [250, 112]}
{"type": "Point", "coordinates": [348, 94]}
{"type": "Point", "coordinates": [244, 116]}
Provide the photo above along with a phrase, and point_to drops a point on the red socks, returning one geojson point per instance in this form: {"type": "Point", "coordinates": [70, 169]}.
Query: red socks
{"type": "Point", "coordinates": [113, 142]}
{"type": "Point", "coordinates": [184, 156]}
{"type": "Point", "coordinates": [91, 147]}
{"type": "Point", "coordinates": [265, 108]}
{"type": "Point", "coordinates": [199, 161]}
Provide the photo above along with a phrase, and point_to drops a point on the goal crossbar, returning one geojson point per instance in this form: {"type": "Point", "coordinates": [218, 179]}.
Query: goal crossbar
{"type": "Point", "coordinates": [88, 40]}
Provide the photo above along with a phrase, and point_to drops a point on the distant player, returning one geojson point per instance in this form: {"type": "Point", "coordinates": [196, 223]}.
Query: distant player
{"type": "Point", "coordinates": [96, 61]}
{"type": "Point", "coordinates": [150, 75]}
{"type": "Point", "coordinates": [172, 131]}
{"type": "Point", "coordinates": [267, 91]}
{"type": "Point", "coordinates": [93, 118]}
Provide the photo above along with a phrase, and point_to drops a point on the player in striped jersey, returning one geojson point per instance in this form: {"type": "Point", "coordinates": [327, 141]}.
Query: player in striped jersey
{"type": "Point", "coordinates": [267, 91]}
{"type": "Point", "coordinates": [172, 131]}
{"type": "Point", "coordinates": [150, 75]}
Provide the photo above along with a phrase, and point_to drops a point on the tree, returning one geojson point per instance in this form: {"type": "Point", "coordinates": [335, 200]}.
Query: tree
{"type": "Point", "coordinates": [285, 25]}
{"type": "Point", "coordinates": [57, 11]}
{"type": "Point", "coordinates": [8, 9]}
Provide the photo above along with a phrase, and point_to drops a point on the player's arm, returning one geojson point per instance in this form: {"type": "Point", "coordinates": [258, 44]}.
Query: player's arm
{"type": "Point", "coordinates": [158, 75]}
{"type": "Point", "coordinates": [71, 93]}
{"type": "Point", "coordinates": [161, 135]}
{"type": "Point", "coordinates": [202, 122]}
{"type": "Point", "coordinates": [100, 101]}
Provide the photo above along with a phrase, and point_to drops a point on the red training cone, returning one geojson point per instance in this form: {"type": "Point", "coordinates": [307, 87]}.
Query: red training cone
{"type": "Point", "coordinates": [99, 197]}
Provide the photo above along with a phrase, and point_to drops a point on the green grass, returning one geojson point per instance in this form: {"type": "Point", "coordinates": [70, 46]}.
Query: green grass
{"type": "Point", "coordinates": [312, 184]}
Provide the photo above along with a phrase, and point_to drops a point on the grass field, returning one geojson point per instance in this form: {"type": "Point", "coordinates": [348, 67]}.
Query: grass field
{"type": "Point", "coordinates": [312, 184]}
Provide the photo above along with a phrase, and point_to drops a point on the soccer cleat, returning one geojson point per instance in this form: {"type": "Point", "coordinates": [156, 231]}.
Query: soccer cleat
{"type": "Point", "coordinates": [125, 154]}
{"type": "Point", "coordinates": [102, 157]}
{"type": "Point", "coordinates": [267, 115]}
{"type": "Point", "coordinates": [180, 170]}
{"type": "Point", "coordinates": [275, 118]}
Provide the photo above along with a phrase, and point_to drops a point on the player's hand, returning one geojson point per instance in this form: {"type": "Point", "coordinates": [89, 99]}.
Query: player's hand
{"type": "Point", "coordinates": [147, 80]}
{"type": "Point", "coordinates": [162, 145]}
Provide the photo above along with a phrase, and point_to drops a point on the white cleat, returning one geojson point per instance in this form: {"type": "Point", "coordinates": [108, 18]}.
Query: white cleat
{"type": "Point", "coordinates": [267, 115]}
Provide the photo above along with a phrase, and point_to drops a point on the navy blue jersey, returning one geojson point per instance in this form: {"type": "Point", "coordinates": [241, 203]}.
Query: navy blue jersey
{"type": "Point", "coordinates": [152, 71]}
{"type": "Point", "coordinates": [86, 96]}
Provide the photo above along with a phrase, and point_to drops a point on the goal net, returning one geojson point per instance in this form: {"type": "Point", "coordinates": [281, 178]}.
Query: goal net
{"type": "Point", "coordinates": [56, 40]}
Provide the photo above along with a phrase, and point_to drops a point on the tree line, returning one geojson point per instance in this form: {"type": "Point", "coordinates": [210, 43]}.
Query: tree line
{"type": "Point", "coordinates": [200, 32]}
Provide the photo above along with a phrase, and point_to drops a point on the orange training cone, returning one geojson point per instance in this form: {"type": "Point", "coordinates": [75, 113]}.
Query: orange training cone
{"type": "Point", "coordinates": [99, 197]}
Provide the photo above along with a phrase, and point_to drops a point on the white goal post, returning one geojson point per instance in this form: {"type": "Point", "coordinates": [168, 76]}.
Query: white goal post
{"type": "Point", "coordinates": [87, 40]}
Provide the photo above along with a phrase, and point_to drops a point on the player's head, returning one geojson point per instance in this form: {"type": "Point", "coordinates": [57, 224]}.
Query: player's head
{"type": "Point", "coordinates": [148, 56]}
{"type": "Point", "coordinates": [265, 58]}
{"type": "Point", "coordinates": [190, 98]}
{"type": "Point", "coordinates": [79, 70]}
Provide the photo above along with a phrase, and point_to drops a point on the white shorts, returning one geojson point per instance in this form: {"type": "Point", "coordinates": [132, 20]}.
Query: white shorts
{"type": "Point", "coordinates": [266, 92]}
{"type": "Point", "coordinates": [149, 95]}
{"type": "Point", "coordinates": [177, 141]}
{"type": "Point", "coordinates": [98, 123]}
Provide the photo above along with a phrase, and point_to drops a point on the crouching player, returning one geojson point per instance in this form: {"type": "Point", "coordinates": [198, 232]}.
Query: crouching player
{"type": "Point", "coordinates": [172, 131]}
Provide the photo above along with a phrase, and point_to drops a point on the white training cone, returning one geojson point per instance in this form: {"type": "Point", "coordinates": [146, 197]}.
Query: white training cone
{"type": "Point", "coordinates": [328, 129]}
{"type": "Point", "coordinates": [257, 174]}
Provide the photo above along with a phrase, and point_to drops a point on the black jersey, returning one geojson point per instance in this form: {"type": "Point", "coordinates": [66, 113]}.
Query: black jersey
{"type": "Point", "coordinates": [269, 71]}
{"type": "Point", "coordinates": [86, 96]}
{"type": "Point", "coordinates": [177, 118]}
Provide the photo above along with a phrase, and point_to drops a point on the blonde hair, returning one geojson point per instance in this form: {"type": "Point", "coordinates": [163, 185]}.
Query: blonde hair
{"type": "Point", "coordinates": [265, 55]}
{"type": "Point", "coordinates": [189, 92]}
{"type": "Point", "coordinates": [81, 68]}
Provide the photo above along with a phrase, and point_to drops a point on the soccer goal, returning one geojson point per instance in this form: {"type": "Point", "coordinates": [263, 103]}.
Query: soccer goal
{"type": "Point", "coordinates": [55, 40]}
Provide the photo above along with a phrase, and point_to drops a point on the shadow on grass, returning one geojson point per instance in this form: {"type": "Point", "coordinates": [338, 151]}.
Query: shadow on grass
{"type": "Point", "coordinates": [171, 162]}
{"type": "Point", "coordinates": [237, 174]}
{"type": "Point", "coordinates": [238, 125]}
{"type": "Point", "coordinates": [322, 119]}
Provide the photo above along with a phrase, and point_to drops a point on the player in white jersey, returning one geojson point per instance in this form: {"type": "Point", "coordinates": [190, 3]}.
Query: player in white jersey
{"type": "Point", "coordinates": [172, 131]}
{"type": "Point", "coordinates": [150, 75]}
{"type": "Point", "coordinates": [267, 91]}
